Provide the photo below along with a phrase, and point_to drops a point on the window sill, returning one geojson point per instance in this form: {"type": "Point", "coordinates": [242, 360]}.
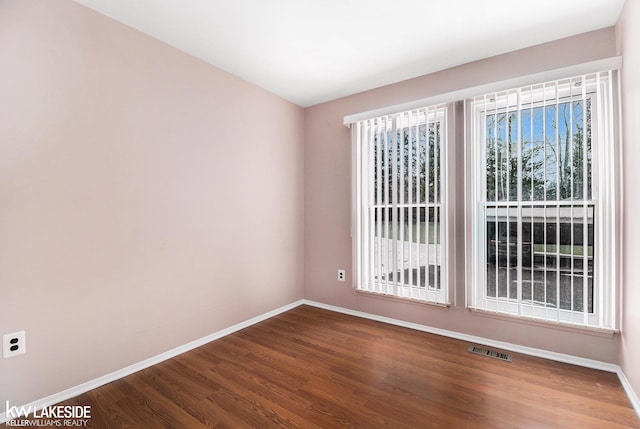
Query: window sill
{"type": "Point", "coordinates": [589, 330]}
{"type": "Point", "coordinates": [402, 299]}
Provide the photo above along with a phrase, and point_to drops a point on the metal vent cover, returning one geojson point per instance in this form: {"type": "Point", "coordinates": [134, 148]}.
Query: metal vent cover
{"type": "Point", "coordinates": [490, 353]}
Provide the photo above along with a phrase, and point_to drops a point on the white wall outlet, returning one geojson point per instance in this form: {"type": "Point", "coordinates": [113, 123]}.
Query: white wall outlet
{"type": "Point", "coordinates": [14, 344]}
{"type": "Point", "coordinates": [342, 275]}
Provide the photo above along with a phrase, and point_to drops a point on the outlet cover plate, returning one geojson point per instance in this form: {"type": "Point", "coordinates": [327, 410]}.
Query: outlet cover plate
{"type": "Point", "coordinates": [17, 341]}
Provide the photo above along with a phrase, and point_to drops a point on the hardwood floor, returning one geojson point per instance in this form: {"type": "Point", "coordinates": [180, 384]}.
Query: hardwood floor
{"type": "Point", "coordinates": [312, 368]}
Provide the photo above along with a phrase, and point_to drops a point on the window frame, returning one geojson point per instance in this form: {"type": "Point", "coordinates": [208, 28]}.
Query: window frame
{"type": "Point", "coordinates": [362, 211]}
{"type": "Point", "coordinates": [604, 147]}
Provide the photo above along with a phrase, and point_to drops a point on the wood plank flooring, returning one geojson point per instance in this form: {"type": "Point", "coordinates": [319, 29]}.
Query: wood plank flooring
{"type": "Point", "coordinates": [312, 368]}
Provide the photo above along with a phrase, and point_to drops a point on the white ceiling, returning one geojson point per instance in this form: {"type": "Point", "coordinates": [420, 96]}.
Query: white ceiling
{"type": "Point", "coordinates": [311, 51]}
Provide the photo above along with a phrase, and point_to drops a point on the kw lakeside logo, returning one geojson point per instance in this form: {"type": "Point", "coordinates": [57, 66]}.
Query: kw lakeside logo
{"type": "Point", "coordinates": [56, 415]}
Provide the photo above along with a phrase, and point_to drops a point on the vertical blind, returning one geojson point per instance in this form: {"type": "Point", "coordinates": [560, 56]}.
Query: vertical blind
{"type": "Point", "coordinates": [544, 204]}
{"type": "Point", "coordinates": [400, 204]}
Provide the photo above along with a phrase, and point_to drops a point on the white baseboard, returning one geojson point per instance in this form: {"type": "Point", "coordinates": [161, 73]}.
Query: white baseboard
{"type": "Point", "coordinates": [116, 375]}
{"type": "Point", "coordinates": [560, 357]}
{"type": "Point", "coordinates": [633, 398]}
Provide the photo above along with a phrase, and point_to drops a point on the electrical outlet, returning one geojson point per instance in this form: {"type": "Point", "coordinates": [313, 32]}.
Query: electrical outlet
{"type": "Point", "coordinates": [14, 344]}
{"type": "Point", "coordinates": [341, 275]}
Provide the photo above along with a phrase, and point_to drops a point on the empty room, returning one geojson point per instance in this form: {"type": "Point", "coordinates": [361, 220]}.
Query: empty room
{"type": "Point", "coordinates": [319, 214]}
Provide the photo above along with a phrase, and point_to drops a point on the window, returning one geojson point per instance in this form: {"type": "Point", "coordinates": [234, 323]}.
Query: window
{"type": "Point", "coordinates": [400, 198]}
{"type": "Point", "coordinates": [516, 189]}
{"type": "Point", "coordinates": [542, 202]}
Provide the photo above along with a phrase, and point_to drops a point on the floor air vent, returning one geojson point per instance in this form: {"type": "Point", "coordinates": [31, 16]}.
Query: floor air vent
{"type": "Point", "coordinates": [491, 353]}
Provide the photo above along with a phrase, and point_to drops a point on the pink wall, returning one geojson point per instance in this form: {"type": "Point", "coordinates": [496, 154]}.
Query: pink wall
{"type": "Point", "coordinates": [628, 32]}
{"type": "Point", "coordinates": [147, 199]}
{"type": "Point", "coordinates": [327, 206]}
